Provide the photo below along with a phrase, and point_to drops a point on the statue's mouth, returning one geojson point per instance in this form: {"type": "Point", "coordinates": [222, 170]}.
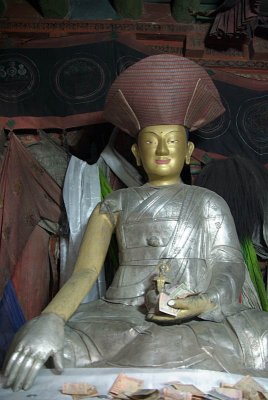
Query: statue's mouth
{"type": "Point", "coordinates": [163, 161]}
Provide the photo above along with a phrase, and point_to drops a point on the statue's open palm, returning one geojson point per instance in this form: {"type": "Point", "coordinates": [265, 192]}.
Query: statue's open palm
{"type": "Point", "coordinates": [35, 342]}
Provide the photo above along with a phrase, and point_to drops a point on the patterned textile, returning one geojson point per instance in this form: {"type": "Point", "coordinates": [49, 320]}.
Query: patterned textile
{"type": "Point", "coordinates": [79, 78]}
{"type": "Point", "coordinates": [242, 129]}
{"type": "Point", "coordinates": [60, 87]}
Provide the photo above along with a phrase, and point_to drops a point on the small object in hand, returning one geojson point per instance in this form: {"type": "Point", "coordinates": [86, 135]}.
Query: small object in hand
{"type": "Point", "coordinates": [166, 299]}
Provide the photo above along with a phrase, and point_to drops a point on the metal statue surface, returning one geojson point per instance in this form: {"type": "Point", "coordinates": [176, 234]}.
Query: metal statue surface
{"type": "Point", "coordinates": [169, 234]}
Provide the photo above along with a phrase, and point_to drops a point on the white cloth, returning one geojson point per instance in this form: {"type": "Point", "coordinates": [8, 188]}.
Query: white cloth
{"type": "Point", "coordinates": [81, 193]}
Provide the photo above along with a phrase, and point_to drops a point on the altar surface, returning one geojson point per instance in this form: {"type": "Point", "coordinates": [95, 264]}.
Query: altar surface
{"type": "Point", "coordinates": [47, 385]}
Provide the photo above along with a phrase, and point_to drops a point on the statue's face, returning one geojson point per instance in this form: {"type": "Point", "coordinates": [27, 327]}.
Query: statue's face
{"type": "Point", "coordinates": [162, 151]}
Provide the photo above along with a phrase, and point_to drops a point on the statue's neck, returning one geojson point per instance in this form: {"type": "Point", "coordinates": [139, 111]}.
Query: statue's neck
{"type": "Point", "coordinates": [164, 182]}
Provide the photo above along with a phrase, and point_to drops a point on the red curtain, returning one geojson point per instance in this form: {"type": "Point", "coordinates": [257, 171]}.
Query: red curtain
{"type": "Point", "coordinates": [27, 195]}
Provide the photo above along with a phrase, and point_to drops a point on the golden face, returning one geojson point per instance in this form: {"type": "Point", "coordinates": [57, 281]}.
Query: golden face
{"type": "Point", "coordinates": [162, 150]}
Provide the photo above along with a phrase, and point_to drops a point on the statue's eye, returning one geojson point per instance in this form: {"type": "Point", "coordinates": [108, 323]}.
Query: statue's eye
{"type": "Point", "coordinates": [172, 141]}
{"type": "Point", "coordinates": [148, 142]}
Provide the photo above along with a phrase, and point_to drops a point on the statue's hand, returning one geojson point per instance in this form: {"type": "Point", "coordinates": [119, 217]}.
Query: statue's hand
{"type": "Point", "coordinates": [188, 308]}
{"type": "Point", "coordinates": [34, 343]}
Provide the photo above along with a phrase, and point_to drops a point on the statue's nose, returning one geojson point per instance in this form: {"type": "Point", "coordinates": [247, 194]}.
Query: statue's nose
{"type": "Point", "coordinates": [162, 148]}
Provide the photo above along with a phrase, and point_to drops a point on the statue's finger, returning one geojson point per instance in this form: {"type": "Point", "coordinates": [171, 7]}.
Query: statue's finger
{"type": "Point", "coordinates": [26, 366]}
{"type": "Point", "coordinates": [179, 303]}
{"type": "Point", "coordinates": [58, 362]}
{"type": "Point", "coordinates": [160, 318]}
{"type": "Point", "coordinates": [14, 372]}
{"type": "Point", "coordinates": [37, 365]}
{"type": "Point", "coordinates": [184, 314]}
{"type": "Point", "coordinates": [11, 362]}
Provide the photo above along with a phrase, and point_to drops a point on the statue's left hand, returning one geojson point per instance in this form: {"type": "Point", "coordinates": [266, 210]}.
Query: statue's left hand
{"type": "Point", "coordinates": [188, 308]}
{"type": "Point", "coordinates": [35, 342]}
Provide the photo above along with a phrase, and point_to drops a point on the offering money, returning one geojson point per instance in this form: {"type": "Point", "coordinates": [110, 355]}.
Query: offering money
{"type": "Point", "coordinates": [79, 390]}
{"type": "Point", "coordinates": [129, 388]}
{"type": "Point", "coordinates": [225, 394]}
{"type": "Point", "coordinates": [125, 384]}
{"type": "Point", "coordinates": [251, 389]}
{"type": "Point", "coordinates": [175, 292]}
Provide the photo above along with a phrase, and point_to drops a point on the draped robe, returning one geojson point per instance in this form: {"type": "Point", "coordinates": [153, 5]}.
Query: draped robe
{"type": "Point", "coordinates": [193, 229]}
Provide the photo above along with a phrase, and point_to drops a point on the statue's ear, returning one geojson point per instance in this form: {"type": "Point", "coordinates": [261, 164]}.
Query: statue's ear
{"type": "Point", "coordinates": [136, 153]}
{"type": "Point", "coordinates": [189, 152]}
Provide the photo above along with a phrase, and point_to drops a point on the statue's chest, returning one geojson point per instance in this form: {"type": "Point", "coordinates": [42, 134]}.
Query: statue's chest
{"type": "Point", "coordinates": [154, 226]}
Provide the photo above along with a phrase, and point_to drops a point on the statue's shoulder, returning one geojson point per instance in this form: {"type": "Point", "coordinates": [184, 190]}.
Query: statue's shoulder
{"type": "Point", "coordinates": [204, 191]}
{"type": "Point", "coordinates": [114, 200]}
{"type": "Point", "coordinates": [210, 199]}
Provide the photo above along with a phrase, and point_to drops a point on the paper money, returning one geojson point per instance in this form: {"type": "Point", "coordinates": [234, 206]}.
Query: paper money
{"type": "Point", "coordinates": [84, 389]}
{"type": "Point", "coordinates": [170, 393]}
{"type": "Point", "coordinates": [164, 307]}
{"type": "Point", "coordinates": [175, 292]}
{"type": "Point", "coordinates": [251, 389]}
{"type": "Point", "coordinates": [145, 394]}
{"type": "Point", "coordinates": [125, 384]}
{"type": "Point", "coordinates": [179, 291]}
{"type": "Point", "coordinates": [84, 397]}
{"type": "Point", "coordinates": [187, 388]}
{"type": "Point", "coordinates": [225, 394]}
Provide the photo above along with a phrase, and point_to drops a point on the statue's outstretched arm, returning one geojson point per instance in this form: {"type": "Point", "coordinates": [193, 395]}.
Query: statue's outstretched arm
{"type": "Point", "coordinates": [90, 260]}
{"type": "Point", "coordinates": [43, 337]}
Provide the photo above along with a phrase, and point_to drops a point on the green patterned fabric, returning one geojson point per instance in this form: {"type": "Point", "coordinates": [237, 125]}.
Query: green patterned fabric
{"type": "Point", "coordinates": [252, 263]}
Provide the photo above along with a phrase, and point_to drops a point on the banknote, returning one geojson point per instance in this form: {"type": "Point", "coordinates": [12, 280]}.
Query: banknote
{"type": "Point", "coordinates": [175, 292]}
{"type": "Point", "coordinates": [225, 394]}
{"type": "Point", "coordinates": [125, 384]}
{"type": "Point", "coordinates": [251, 389]}
{"type": "Point", "coordinates": [170, 393]}
{"type": "Point", "coordinates": [145, 394]}
{"type": "Point", "coordinates": [187, 388]}
{"type": "Point", "coordinates": [179, 291]}
{"type": "Point", "coordinates": [79, 389]}
{"type": "Point", "coordinates": [164, 307]}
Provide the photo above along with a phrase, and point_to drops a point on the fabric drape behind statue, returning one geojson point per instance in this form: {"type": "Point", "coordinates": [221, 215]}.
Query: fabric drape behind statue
{"type": "Point", "coordinates": [28, 195]}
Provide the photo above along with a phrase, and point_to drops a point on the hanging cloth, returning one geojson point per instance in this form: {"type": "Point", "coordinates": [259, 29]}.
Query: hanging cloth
{"type": "Point", "coordinates": [27, 195]}
{"type": "Point", "coordinates": [81, 193]}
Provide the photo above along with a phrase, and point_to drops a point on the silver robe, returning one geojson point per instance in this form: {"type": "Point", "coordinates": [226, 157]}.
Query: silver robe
{"type": "Point", "coordinates": [193, 229]}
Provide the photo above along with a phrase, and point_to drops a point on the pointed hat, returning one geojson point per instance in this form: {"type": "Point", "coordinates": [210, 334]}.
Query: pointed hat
{"type": "Point", "coordinates": [163, 89]}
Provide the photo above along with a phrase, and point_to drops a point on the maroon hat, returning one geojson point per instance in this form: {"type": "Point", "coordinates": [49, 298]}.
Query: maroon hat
{"type": "Point", "coordinates": [163, 89]}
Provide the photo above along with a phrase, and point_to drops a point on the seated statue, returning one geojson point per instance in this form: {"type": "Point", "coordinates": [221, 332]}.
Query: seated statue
{"type": "Point", "coordinates": [175, 300]}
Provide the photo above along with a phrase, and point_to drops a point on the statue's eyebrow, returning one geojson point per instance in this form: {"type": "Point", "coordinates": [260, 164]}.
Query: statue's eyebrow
{"type": "Point", "coordinates": [172, 132]}
{"type": "Point", "coordinates": [155, 133]}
